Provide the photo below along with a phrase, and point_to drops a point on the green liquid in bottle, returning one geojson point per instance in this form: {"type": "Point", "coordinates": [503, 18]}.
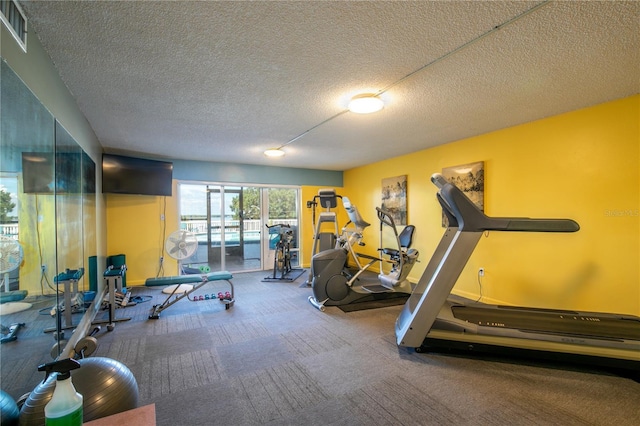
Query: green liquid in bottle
{"type": "Point", "coordinates": [71, 419]}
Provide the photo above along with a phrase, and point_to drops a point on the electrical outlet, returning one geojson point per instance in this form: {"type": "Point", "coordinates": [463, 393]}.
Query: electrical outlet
{"type": "Point", "coordinates": [43, 268]}
{"type": "Point", "coordinates": [161, 217]}
{"type": "Point", "coordinates": [481, 272]}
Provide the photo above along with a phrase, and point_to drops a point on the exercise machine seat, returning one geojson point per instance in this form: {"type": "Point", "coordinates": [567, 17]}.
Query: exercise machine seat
{"type": "Point", "coordinates": [405, 238]}
{"type": "Point", "coordinates": [188, 279]}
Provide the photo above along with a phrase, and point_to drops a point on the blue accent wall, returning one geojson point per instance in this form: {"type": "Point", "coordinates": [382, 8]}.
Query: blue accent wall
{"type": "Point", "coordinates": [186, 170]}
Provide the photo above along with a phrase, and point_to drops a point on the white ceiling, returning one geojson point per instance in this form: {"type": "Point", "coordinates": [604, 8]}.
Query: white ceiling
{"type": "Point", "coordinates": [223, 81]}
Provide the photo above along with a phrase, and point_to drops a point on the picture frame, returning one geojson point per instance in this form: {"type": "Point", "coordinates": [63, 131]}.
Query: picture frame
{"type": "Point", "coordinates": [469, 178]}
{"type": "Point", "coordinates": [394, 198]}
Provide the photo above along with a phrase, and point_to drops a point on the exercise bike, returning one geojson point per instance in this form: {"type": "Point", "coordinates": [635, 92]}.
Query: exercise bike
{"type": "Point", "coordinates": [334, 284]}
{"type": "Point", "coordinates": [282, 258]}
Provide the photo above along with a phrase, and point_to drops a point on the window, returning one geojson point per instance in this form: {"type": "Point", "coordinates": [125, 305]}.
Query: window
{"type": "Point", "coordinates": [229, 223]}
{"type": "Point", "coordinates": [13, 18]}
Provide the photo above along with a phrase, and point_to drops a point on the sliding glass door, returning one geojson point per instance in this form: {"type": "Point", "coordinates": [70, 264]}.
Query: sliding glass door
{"type": "Point", "coordinates": [233, 235]}
{"type": "Point", "coordinates": [229, 223]}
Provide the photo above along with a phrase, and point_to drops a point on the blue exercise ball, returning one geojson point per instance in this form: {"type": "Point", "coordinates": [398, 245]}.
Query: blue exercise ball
{"type": "Point", "coordinates": [107, 387]}
{"type": "Point", "coordinates": [9, 412]}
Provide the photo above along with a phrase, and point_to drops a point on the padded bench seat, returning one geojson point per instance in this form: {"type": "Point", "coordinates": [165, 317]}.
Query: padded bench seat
{"type": "Point", "coordinates": [188, 279]}
{"type": "Point", "coordinates": [12, 296]}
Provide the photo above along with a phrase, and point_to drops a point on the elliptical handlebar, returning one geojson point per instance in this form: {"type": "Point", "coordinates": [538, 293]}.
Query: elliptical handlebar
{"type": "Point", "coordinates": [354, 215]}
{"type": "Point", "coordinates": [282, 233]}
{"type": "Point", "coordinates": [385, 218]}
{"type": "Point", "coordinates": [281, 225]}
{"type": "Point", "coordinates": [326, 198]}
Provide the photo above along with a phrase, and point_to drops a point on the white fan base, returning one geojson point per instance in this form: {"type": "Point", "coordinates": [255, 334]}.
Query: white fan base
{"type": "Point", "coordinates": [181, 288]}
{"type": "Point", "coordinates": [13, 307]}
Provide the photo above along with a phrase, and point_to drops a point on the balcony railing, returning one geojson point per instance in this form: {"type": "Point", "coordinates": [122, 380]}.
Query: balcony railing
{"type": "Point", "coordinates": [200, 226]}
{"type": "Point", "coordinates": [10, 230]}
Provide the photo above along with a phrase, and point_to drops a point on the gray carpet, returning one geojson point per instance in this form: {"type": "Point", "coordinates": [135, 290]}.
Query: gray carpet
{"type": "Point", "coordinates": [273, 359]}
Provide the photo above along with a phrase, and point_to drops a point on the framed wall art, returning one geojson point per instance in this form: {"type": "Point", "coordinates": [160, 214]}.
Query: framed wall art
{"type": "Point", "coordinates": [469, 178]}
{"type": "Point", "coordinates": [394, 198]}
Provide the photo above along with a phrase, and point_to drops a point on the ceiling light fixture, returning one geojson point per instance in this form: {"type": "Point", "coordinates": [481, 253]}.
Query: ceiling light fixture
{"type": "Point", "coordinates": [274, 152]}
{"type": "Point", "coordinates": [375, 99]}
{"type": "Point", "coordinates": [365, 104]}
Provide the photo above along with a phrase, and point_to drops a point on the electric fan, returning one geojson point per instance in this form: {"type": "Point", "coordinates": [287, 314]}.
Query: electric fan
{"type": "Point", "coordinates": [181, 245]}
{"type": "Point", "coordinates": [10, 258]}
{"type": "Point", "coordinates": [11, 255]}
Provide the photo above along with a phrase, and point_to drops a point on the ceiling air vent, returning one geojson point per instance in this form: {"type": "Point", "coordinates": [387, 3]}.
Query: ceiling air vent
{"type": "Point", "coordinates": [13, 18]}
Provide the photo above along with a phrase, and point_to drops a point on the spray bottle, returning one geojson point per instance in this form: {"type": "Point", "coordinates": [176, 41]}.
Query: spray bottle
{"type": "Point", "coordinates": [65, 407]}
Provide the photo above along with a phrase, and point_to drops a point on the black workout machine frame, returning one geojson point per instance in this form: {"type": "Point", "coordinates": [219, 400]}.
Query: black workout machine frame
{"type": "Point", "coordinates": [197, 281]}
{"type": "Point", "coordinates": [69, 279]}
{"type": "Point", "coordinates": [115, 279]}
{"type": "Point", "coordinates": [432, 317]}
{"type": "Point", "coordinates": [333, 283]}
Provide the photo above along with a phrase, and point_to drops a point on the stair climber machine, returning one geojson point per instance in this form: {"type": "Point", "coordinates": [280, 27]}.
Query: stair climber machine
{"type": "Point", "coordinates": [432, 319]}
{"type": "Point", "coordinates": [334, 284]}
{"type": "Point", "coordinates": [327, 220]}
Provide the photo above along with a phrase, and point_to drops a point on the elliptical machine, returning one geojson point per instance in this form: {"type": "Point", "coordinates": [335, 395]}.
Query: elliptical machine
{"type": "Point", "coordinates": [334, 285]}
{"type": "Point", "coordinates": [323, 240]}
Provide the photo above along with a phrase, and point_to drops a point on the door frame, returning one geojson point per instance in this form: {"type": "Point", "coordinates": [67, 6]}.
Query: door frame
{"type": "Point", "coordinates": [266, 260]}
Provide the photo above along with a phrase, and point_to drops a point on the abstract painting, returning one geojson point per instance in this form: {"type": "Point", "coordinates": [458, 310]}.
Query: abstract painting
{"type": "Point", "coordinates": [394, 198]}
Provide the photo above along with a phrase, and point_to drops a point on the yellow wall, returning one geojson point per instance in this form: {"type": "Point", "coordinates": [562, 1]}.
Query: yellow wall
{"type": "Point", "coordinates": [38, 240]}
{"type": "Point", "coordinates": [582, 165]}
{"type": "Point", "coordinates": [136, 229]}
{"type": "Point", "coordinates": [50, 238]}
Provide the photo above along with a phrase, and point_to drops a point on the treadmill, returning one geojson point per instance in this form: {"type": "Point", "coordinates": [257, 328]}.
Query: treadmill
{"type": "Point", "coordinates": [434, 319]}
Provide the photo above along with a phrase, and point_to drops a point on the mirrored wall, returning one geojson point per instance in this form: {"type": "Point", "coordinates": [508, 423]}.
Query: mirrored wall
{"type": "Point", "coordinates": [47, 234]}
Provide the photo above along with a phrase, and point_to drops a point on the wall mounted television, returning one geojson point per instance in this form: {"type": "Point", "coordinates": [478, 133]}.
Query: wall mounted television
{"type": "Point", "coordinates": [88, 175]}
{"type": "Point", "coordinates": [130, 175]}
{"type": "Point", "coordinates": [46, 173]}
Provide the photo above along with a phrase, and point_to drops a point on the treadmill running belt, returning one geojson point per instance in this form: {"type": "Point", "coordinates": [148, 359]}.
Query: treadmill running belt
{"type": "Point", "coordinates": [550, 321]}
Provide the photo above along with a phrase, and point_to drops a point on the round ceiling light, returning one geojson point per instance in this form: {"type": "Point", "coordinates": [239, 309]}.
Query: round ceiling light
{"type": "Point", "coordinates": [274, 152]}
{"type": "Point", "coordinates": [365, 104]}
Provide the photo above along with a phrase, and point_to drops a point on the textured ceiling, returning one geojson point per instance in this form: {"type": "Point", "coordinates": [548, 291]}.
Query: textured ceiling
{"type": "Point", "coordinates": [223, 81]}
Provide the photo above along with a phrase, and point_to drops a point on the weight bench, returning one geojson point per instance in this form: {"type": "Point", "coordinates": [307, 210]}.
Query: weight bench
{"type": "Point", "coordinates": [9, 334]}
{"type": "Point", "coordinates": [197, 280]}
{"type": "Point", "coordinates": [12, 296]}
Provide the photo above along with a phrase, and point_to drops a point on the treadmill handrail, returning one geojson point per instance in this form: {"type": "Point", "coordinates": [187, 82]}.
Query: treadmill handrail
{"type": "Point", "coordinates": [470, 218]}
